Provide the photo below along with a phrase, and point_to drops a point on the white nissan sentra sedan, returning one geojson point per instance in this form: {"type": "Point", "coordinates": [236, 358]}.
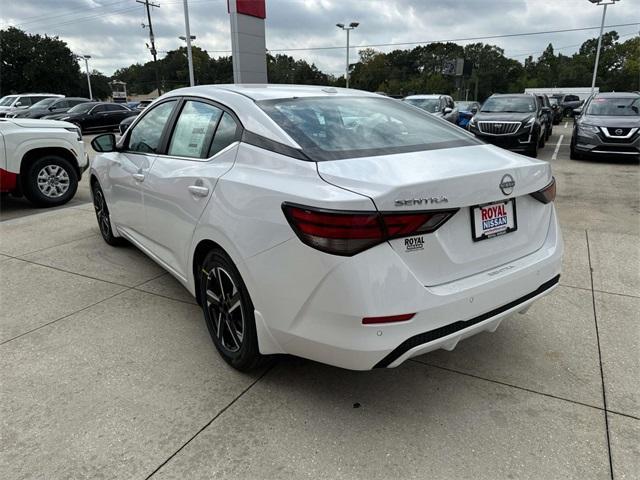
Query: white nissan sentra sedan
{"type": "Point", "coordinates": [336, 225]}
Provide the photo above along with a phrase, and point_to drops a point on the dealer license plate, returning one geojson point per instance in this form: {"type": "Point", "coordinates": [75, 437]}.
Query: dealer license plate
{"type": "Point", "coordinates": [493, 219]}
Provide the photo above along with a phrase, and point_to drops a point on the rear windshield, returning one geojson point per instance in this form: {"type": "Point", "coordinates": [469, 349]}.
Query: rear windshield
{"type": "Point", "coordinates": [509, 105]}
{"type": "Point", "coordinates": [431, 105]}
{"type": "Point", "coordinates": [627, 107]}
{"type": "Point", "coordinates": [44, 103]}
{"type": "Point", "coordinates": [347, 127]}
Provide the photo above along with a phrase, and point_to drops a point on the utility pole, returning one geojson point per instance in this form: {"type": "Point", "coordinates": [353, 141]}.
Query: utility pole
{"type": "Point", "coordinates": [154, 52]}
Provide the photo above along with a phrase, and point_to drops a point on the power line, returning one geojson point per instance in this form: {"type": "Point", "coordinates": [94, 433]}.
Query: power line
{"type": "Point", "coordinates": [464, 39]}
{"type": "Point", "coordinates": [564, 47]}
{"type": "Point", "coordinates": [41, 18]}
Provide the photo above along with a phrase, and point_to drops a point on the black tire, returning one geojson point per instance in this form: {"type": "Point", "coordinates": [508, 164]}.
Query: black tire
{"type": "Point", "coordinates": [228, 311]}
{"type": "Point", "coordinates": [102, 215]}
{"type": "Point", "coordinates": [574, 154]}
{"type": "Point", "coordinates": [50, 181]}
{"type": "Point", "coordinates": [532, 149]}
{"type": "Point", "coordinates": [542, 138]}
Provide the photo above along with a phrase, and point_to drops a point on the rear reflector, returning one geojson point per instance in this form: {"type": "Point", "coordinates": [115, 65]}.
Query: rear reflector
{"type": "Point", "coordinates": [351, 232]}
{"type": "Point", "coordinates": [390, 319]}
{"type": "Point", "coordinates": [547, 194]}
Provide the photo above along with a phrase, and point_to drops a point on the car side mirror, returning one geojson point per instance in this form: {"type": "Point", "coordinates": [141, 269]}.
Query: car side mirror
{"type": "Point", "coordinates": [546, 109]}
{"type": "Point", "coordinates": [474, 110]}
{"type": "Point", "coordinates": [104, 143]}
{"type": "Point", "coordinates": [577, 112]}
{"type": "Point", "coordinates": [18, 104]}
{"type": "Point", "coordinates": [447, 110]}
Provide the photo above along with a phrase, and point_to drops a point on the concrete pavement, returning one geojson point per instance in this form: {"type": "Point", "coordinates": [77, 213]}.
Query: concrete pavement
{"type": "Point", "coordinates": [107, 369]}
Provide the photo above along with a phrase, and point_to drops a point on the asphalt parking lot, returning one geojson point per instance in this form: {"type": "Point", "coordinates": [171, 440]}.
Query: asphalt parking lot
{"type": "Point", "coordinates": [107, 369]}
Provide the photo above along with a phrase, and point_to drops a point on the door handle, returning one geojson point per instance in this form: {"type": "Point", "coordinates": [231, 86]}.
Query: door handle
{"type": "Point", "coordinates": [198, 191]}
{"type": "Point", "coordinates": [139, 177]}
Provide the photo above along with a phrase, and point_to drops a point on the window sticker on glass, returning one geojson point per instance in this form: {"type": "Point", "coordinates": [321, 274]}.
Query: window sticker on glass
{"type": "Point", "coordinates": [194, 130]}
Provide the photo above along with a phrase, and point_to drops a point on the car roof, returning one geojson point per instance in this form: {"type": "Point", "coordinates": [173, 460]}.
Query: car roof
{"type": "Point", "coordinates": [529, 95]}
{"type": "Point", "coordinates": [426, 96]}
{"type": "Point", "coordinates": [258, 92]}
{"type": "Point", "coordinates": [616, 95]}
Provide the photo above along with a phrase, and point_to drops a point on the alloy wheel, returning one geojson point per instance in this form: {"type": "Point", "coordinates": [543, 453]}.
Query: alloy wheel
{"type": "Point", "coordinates": [224, 306]}
{"type": "Point", "coordinates": [53, 181]}
{"type": "Point", "coordinates": [102, 213]}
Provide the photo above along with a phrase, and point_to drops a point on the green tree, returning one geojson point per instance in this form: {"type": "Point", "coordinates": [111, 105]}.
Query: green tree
{"type": "Point", "coordinates": [36, 63]}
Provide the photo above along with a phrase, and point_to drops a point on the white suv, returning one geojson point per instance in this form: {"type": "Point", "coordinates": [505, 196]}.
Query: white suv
{"type": "Point", "coordinates": [42, 159]}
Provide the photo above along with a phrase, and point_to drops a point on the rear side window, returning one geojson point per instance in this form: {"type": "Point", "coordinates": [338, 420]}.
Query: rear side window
{"type": "Point", "coordinates": [346, 127]}
{"type": "Point", "coordinates": [571, 98]}
{"type": "Point", "coordinates": [115, 108]}
{"type": "Point", "coordinates": [145, 136]}
{"type": "Point", "coordinates": [194, 130]}
{"type": "Point", "coordinates": [226, 134]}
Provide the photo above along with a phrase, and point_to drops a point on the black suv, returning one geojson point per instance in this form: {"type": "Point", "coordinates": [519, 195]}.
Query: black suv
{"type": "Point", "coordinates": [513, 121]}
{"type": "Point", "coordinates": [547, 109]}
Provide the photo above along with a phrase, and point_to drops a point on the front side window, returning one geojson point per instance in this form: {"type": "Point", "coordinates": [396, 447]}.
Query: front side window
{"type": "Point", "coordinates": [509, 105]}
{"type": "Point", "coordinates": [626, 107]}
{"type": "Point", "coordinates": [82, 108]}
{"type": "Point", "coordinates": [194, 130]}
{"type": "Point", "coordinates": [145, 136]}
{"type": "Point", "coordinates": [99, 109]}
{"type": "Point", "coordinates": [346, 127]}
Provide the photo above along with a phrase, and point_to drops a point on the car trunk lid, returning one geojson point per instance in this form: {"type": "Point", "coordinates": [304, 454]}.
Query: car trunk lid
{"type": "Point", "coordinates": [459, 178]}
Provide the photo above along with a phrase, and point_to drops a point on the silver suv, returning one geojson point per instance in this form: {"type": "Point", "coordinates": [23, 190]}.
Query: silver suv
{"type": "Point", "coordinates": [18, 102]}
{"type": "Point", "coordinates": [609, 124]}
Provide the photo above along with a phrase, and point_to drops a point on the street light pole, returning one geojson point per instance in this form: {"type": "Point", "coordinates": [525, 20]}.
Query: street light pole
{"type": "Point", "coordinates": [188, 40]}
{"type": "Point", "coordinates": [86, 65]}
{"type": "Point", "coordinates": [604, 14]}
{"type": "Point", "coordinates": [351, 26]}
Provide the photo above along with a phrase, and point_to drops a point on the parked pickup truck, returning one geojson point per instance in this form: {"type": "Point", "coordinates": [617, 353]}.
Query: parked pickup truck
{"type": "Point", "coordinates": [41, 159]}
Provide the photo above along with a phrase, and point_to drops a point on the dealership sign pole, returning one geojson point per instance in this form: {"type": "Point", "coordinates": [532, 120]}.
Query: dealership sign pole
{"type": "Point", "coordinates": [248, 47]}
{"type": "Point", "coordinates": [188, 40]}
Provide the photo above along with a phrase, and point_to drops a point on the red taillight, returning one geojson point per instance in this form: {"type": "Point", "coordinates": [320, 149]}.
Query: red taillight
{"type": "Point", "coordinates": [389, 319]}
{"type": "Point", "coordinates": [547, 194]}
{"type": "Point", "coordinates": [348, 233]}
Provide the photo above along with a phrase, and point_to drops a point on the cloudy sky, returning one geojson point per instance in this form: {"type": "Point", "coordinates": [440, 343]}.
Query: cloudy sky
{"type": "Point", "coordinates": [110, 30]}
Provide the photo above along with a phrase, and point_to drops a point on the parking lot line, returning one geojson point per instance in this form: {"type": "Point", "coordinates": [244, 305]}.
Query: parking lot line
{"type": "Point", "coordinates": [566, 124]}
{"type": "Point", "coordinates": [555, 152]}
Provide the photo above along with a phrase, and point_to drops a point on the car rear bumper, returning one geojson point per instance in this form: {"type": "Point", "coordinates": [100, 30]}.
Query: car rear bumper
{"type": "Point", "coordinates": [327, 325]}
